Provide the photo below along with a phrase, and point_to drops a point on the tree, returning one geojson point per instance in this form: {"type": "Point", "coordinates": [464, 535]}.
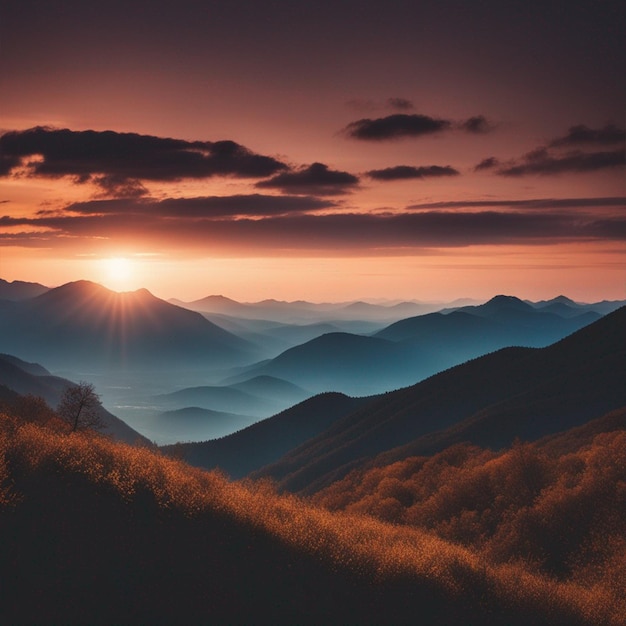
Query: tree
{"type": "Point", "coordinates": [80, 407]}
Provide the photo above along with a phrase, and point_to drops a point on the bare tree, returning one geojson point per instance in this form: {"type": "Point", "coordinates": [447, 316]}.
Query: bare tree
{"type": "Point", "coordinates": [80, 407]}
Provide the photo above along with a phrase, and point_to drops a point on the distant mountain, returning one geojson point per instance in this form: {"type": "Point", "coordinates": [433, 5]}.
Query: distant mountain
{"type": "Point", "coordinates": [32, 379]}
{"type": "Point", "coordinates": [19, 290]}
{"type": "Point", "coordinates": [515, 392]}
{"type": "Point", "coordinates": [300, 311]}
{"type": "Point", "coordinates": [416, 347]}
{"type": "Point", "coordinates": [82, 324]}
{"type": "Point", "coordinates": [348, 363]}
{"type": "Point", "coordinates": [256, 398]}
{"type": "Point", "coordinates": [227, 399]}
{"type": "Point", "coordinates": [270, 387]}
{"type": "Point", "coordinates": [197, 424]}
{"type": "Point", "coordinates": [216, 304]}
{"type": "Point", "coordinates": [266, 441]}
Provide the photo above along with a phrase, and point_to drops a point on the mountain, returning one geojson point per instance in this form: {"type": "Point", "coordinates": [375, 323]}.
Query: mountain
{"type": "Point", "coordinates": [414, 348]}
{"type": "Point", "coordinates": [82, 324]}
{"type": "Point", "coordinates": [270, 387]}
{"type": "Point", "coordinates": [344, 362]}
{"type": "Point", "coordinates": [216, 304]}
{"type": "Point", "coordinates": [515, 392]}
{"type": "Point", "coordinates": [197, 424]}
{"type": "Point", "coordinates": [266, 441]}
{"type": "Point", "coordinates": [32, 379]}
{"type": "Point", "coordinates": [227, 398]}
{"type": "Point", "coordinates": [19, 290]}
{"type": "Point", "coordinates": [567, 307]}
{"type": "Point", "coordinates": [302, 312]}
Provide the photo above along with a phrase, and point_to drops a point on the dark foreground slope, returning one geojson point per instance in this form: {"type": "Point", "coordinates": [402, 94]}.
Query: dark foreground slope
{"type": "Point", "coordinates": [515, 392]}
{"type": "Point", "coordinates": [101, 533]}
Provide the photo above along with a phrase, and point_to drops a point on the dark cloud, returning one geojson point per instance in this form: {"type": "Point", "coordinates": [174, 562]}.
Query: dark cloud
{"type": "Point", "coordinates": [339, 232]}
{"type": "Point", "coordinates": [537, 203]}
{"type": "Point", "coordinates": [395, 127]}
{"type": "Point", "coordinates": [542, 162]}
{"type": "Point", "coordinates": [478, 124]}
{"type": "Point", "coordinates": [122, 160]}
{"type": "Point", "coordinates": [402, 125]}
{"type": "Point", "coordinates": [403, 172]}
{"type": "Point", "coordinates": [583, 135]}
{"type": "Point", "coordinates": [400, 104]}
{"type": "Point", "coordinates": [316, 179]}
{"type": "Point", "coordinates": [252, 205]}
{"type": "Point", "coordinates": [114, 185]}
{"type": "Point", "coordinates": [487, 164]}
{"type": "Point", "coordinates": [7, 163]}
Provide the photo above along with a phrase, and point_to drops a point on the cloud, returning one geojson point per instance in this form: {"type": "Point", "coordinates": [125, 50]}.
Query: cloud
{"type": "Point", "coordinates": [7, 163]}
{"type": "Point", "coordinates": [121, 161]}
{"type": "Point", "coordinates": [403, 172]}
{"type": "Point", "coordinates": [401, 125]}
{"type": "Point", "coordinates": [551, 159]}
{"type": "Point", "coordinates": [209, 207]}
{"type": "Point", "coordinates": [537, 203]}
{"type": "Point", "coordinates": [583, 135]}
{"type": "Point", "coordinates": [120, 187]}
{"type": "Point", "coordinates": [542, 162]}
{"type": "Point", "coordinates": [343, 233]}
{"type": "Point", "coordinates": [395, 126]}
{"type": "Point", "coordinates": [400, 104]}
{"type": "Point", "coordinates": [477, 125]}
{"type": "Point", "coordinates": [315, 179]}
{"type": "Point", "coordinates": [487, 164]}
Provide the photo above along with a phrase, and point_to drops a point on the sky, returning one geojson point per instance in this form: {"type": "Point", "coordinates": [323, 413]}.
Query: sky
{"type": "Point", "coordinates": [326, 151]}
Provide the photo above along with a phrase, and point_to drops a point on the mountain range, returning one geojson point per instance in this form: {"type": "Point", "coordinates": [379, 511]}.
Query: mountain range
{"type": "Point", "coordinates": [513, 392]}
{"type": "Point", "coordinates": [417, 347]}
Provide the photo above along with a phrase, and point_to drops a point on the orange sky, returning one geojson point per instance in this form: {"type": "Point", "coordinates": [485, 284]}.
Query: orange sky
{"type": "Point", "coordinates": [309, 151]}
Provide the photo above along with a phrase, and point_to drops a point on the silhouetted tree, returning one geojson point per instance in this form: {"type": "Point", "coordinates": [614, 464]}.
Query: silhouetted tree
{"type": "Point", "coordinates": [80, 407]}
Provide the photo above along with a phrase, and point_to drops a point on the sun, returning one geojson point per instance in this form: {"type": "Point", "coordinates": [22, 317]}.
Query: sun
{"type": "Point", "coordinates": [118, 273]}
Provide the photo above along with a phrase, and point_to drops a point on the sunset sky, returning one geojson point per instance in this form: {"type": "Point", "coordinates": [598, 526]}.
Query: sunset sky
{"type": "Point", "coordinates": [315, 150]}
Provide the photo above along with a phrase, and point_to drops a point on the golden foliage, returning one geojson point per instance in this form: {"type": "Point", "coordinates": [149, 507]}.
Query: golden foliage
{"type": "Point", "coordinates": [493, 503]}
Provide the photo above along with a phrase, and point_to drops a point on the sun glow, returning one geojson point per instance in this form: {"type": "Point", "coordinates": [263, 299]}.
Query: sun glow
{"type": "Point", "coordinates": [118, 273]}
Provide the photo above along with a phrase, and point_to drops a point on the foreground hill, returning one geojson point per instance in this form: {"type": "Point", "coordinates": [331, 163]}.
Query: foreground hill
{"type": "Point", "coordinates": [511, 504]}
{"type": "Point", "coordinates": [417, 347]}
{"type": "Point", "coordinates": [31, 379]}
{"type": "Point", "coordinates": [102, 533]}
{"type": "Point", "coordinates": [86, 325]}
{"type": "Point", "coordinates": [515, 392]}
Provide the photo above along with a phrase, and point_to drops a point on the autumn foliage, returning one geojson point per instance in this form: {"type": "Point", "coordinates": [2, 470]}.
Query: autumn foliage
{"type": "Point", "coordinates": [105, 533]}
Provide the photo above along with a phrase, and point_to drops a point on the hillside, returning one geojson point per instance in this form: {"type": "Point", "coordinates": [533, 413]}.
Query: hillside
{"type": "Point", "coordinates": [266, 441]}
{"type": "Point", "coordinates": [103, 533]}
{"type": "Point", "coordinates": [489, 401]}
{"type": "Point", "coordinates": [86, 325]}
{"type": "Point", "coordinates": [34, 380]}
{"type": "Point", "coordinates": [511, 504]}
